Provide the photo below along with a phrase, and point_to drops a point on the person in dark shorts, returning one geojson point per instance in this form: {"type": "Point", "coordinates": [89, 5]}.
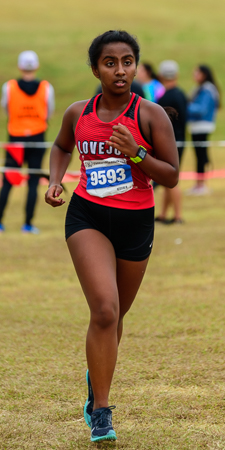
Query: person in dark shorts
{"type": "Point", "coordinates": [29, 103]}
{"type": "Point", "coordinates": [123, 141]}
{"type": "Point", "coordinates": [175, 98]}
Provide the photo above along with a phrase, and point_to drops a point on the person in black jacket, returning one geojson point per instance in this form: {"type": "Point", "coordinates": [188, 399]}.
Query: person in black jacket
{"type": "Point", "coordinates": [173, 97]}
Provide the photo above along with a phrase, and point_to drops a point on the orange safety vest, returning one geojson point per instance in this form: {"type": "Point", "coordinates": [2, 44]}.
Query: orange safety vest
{"type": "Point", "coordinates": [27, 114]}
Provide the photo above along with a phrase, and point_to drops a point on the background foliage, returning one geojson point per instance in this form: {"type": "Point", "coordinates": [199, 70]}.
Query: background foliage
{"type": "Point", "coordinates": [61, 32]}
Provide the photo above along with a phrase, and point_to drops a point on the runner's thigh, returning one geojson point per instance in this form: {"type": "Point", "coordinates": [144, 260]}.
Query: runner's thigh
{"type": "Point", "coordinates": [129, 278]}
{"type": "Point", "coordinates": [95, 263]}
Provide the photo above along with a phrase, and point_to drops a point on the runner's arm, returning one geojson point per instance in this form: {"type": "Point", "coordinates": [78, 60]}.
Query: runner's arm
{"type": "Point", "coordinates": [163, 166]}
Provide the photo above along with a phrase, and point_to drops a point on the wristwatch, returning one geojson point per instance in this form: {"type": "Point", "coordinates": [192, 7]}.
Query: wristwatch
{"type": "Point", "coordinates": [141, 154]}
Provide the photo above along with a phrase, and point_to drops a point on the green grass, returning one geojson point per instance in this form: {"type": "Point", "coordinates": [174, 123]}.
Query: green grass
{"type": "Point", "coordinates": [169, 381]}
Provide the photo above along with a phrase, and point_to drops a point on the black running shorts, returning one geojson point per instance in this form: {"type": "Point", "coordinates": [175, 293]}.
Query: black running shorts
{"type": "Point", "coordinates": [131, 232]}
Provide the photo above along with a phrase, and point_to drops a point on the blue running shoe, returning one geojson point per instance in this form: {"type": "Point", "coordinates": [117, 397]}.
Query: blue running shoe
{"type": "Point", "coordinates": [2, 228]}
{"type": "Point", "coordinates": [88, 407]}
{"type": "Point", "coordinates": [101, 425]}
{"type": "Point", "coordinates": [30, 229]}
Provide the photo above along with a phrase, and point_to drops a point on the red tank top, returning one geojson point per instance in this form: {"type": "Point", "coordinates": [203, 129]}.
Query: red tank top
{"type": "Point", "coordinates": [90, 136]}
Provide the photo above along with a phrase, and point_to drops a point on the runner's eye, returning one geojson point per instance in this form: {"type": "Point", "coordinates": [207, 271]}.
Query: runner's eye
{"type": "Point", "coordinates": [110, 63]}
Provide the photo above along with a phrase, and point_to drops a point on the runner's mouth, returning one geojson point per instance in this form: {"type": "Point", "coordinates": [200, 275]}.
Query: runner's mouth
{"type": "Point", "coordinates": [120, 83]}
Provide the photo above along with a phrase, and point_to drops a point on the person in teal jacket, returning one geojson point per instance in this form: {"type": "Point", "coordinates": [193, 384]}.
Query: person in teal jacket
{"type": "Point", "coordinates": [151, 85]}
{"type": "Point", "coordinates": [201, 115]}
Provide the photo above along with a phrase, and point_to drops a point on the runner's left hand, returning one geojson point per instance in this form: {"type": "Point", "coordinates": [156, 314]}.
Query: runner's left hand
{"type": "Point", "coordinates": [52, 194]}
{"type": "Point", "coordinates": [123, 140]}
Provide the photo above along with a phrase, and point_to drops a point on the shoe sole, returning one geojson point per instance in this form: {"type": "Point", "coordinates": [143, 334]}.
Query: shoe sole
{"type": "Point", "coordinates": [87, 416]}
{"type": "Point", "coordinates": [108, 437]}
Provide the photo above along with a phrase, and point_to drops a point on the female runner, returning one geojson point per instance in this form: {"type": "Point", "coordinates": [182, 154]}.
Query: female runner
{"type": "Point", "coordinates": [124, 141]}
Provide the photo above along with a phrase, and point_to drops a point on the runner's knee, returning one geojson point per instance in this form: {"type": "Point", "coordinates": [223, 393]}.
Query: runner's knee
{"type": "Point", "coordinates": [105, 315]}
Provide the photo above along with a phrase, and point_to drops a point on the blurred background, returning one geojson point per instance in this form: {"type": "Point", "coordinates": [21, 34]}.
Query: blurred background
{"type": "Point", "coordinates": [60, 33]}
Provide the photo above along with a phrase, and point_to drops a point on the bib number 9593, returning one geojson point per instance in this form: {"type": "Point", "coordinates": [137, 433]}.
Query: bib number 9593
{"type": "Point", "coordinates": [111, 176]}
{"type": "Point", "coordinates": [108, 177]}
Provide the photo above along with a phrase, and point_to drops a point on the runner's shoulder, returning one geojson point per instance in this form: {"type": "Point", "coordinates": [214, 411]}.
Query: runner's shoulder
{"type": "Point", "coordinates": [153, 107]}
{"type": "Point", "coordinates": [76, 108]}
{"type": "Point", "coordinates": [152, 112]}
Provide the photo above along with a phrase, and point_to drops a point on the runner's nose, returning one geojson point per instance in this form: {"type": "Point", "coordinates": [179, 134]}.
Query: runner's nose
{"type": "Point", "coordinates": [120, 69]}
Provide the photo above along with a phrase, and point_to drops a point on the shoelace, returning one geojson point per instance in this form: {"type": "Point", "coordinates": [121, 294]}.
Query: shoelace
{"type": "Point", "coordinates": [102, 417]}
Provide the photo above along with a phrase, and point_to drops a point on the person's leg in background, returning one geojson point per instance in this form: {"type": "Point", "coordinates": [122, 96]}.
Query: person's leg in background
{"type": "Point", "coordinates": [176, 195]}
{"type": "Point", "coordinates": [6, 188]}
{"type": "Point", "coordinates": [202, 159]}
{"type": "Point", "coordinates": [172, 198]}
{"type": "Point", "coordinates": [34, 157]}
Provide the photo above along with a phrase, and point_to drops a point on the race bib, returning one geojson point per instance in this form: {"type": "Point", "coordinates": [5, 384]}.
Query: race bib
{"type": "Point", "coordinates": [108, 177]}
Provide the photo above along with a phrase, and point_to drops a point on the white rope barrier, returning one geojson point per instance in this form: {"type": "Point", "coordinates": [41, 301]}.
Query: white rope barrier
{"type": "Point", "coordinates": [72, 175]}
{"type": "Point", "coordinates": [27, 171]}
{"type": "Point", "coordinates": [24, 170]}
{"type": "Point", "coordinates": [201, 144]}
{"type": "Point", "coordinates": [45, 173]}
{"type": "Point", "coordinates": [27, 144]}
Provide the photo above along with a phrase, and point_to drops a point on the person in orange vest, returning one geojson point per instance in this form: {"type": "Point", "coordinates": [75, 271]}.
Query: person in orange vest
{"type": "Point", "coordinates": [29, 103]}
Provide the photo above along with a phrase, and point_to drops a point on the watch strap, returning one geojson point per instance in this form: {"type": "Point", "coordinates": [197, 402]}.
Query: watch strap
{"type": "Point", "coordinates": [141, 154]}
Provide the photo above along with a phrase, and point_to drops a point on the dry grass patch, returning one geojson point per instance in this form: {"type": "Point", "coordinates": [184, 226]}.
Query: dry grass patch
{"type": "Point", "coordinates": [169, 383]}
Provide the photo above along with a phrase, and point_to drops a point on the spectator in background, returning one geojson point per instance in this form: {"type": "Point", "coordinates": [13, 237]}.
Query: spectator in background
{"type": "Point", "coordinates": [173, 97]}
{"type": "Point", "coordinates": [29, 103]}
{"type": "Point", "coordinates": [202, 108]}
{"type": "Point", "coordinates": [151, 85]}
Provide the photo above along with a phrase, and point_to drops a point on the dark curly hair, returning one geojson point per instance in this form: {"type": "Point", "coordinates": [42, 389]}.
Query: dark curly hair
{"type": "Point", "coordinates": [108, 37]}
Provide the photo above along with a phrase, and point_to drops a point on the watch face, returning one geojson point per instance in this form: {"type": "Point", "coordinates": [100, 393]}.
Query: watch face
{"type": "Point", "coordinates": [141, 153]}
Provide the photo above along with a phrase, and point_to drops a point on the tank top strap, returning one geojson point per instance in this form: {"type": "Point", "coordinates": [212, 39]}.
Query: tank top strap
{"type": "Point", "coordinates": [133, 107]}
{"type": "Point", "coordinates": [89, 108]}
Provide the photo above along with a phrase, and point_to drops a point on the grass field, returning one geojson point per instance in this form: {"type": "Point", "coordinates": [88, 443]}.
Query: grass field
{"type": "Point", "coordinates": [169, 382]}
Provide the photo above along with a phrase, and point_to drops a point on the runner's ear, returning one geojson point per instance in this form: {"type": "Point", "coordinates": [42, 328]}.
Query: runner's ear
{"type": "Point", "coordinates": [95, 71]}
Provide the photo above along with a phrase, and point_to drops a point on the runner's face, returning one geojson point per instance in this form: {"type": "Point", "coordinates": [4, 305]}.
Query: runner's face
{"type": "Point", "coordinates": [116, 67]}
